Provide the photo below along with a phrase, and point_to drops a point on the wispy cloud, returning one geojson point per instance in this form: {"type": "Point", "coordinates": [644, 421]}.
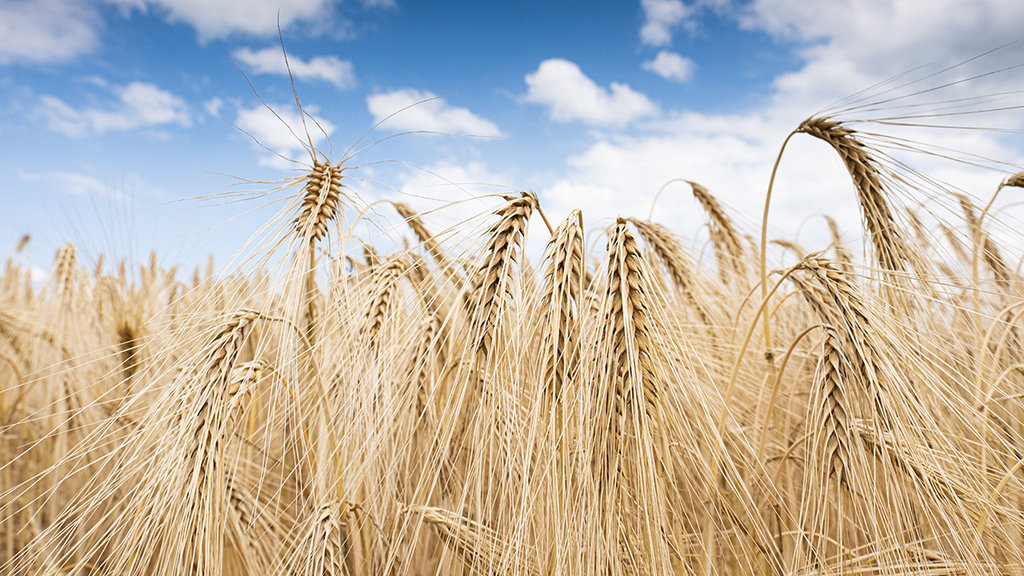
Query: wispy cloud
{"type": "Point", "coordinates": [572, 96]}
{"type": "Point", "coordinates": [76, 183]}
{"type": "Point", "coordinates": [330, 69]}
{"type": "Point", "coordinates": [214, 19]}
{"type": "Point", "coordinates": [424, 110]}
{"type": "Point", "coordinates": [44, 31]}
{"type": "Point", "coordinates": [137, 105]}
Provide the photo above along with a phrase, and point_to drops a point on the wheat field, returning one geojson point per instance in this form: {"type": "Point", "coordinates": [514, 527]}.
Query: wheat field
{"type": "Point", "coordinates": [616, 405]}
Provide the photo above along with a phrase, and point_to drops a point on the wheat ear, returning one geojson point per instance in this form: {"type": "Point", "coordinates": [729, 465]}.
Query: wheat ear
{"type": "Point", "coordinates": [983, 244]}
{"type": "Point", "coordinates": [562, 299]}
{"type": "Point", "coordinates": [494, 276]}
{"type": "Point", "coordinates": [447, 267]}
{"type": "Point", "coordinates": [832, 413]}
{"type": "Point", "coordinates": [728, 247]}
{"type": "Point", "coordinates": [889, 247]}
{"type": "Point", "coordinates": [481, 548]}
{"type": "Point", "coordinates": [844, 259]}
{"type": "Point", "coordinates": [678, 264]}
{"type": "Point", "coordinates": [628, 401]}
{"type": "Point", "coordinates": [385, 283]}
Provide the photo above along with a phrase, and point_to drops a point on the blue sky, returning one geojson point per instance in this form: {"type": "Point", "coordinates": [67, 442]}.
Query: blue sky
{"type": "Point", "coordinates": [121, 120]}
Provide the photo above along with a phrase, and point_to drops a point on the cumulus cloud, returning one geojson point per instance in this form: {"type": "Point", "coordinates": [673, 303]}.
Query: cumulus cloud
{"type": "Point", "coordinates": [671, 66]}
{"type": "Point", "coordinates": [323, 68]}
{"type": "Point", "coordinates": [137, 105]}
{"type": "Point", "coordinates": [44, 31]}
{"type": "Point", "coordinates": [424, 110]}
{"type": "Point", "coordinates": [282, 133]}
{"type": "Point", "coordinates": [661, 16]}
{"type": "Point", "coordinates": [214, 19]}
{"type": "Point", "coordinates": [571, 95]}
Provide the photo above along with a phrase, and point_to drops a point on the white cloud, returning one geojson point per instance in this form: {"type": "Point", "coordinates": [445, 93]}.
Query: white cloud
{"type": "Point", "coordinates": [661, 16]}
{"type": "Point", "coordinates": [213, 106]}
{"type": "Point", "coordinates": [282, 133]}
{"type": "Point", "coordinates": [852, 46]}
{"type": "Point", "coordinates": [138, 105]}
{"type": "Point", "coordinates": [572, 95]}
{"type": "Point", "coordinates": [214, 19]}
{"type": "Point", "coordinates": [424, 110]}
{"type": "Point", "coordinates": [75, 183]}
{"type": "Point", "coordinates": [325, 68]}
{"type": "Point", "coordinates": [43, 31]}
{"type": "Point", "coordinates": [671, 66]}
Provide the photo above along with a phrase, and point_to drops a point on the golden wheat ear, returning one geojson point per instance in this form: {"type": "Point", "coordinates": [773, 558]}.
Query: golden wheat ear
{"type": "Point", "coordinates": [560, 305]}
{"type": "Point", "coordinates": [680, 266]}
{"type": "Point", "coordinates": [724, 237]}
{"type": "Point", "coordinates": [889, 247]}
{"type": "Point", "coordinates": [430, 244]}
{"type": "Point", "coordinates": [844, 259]}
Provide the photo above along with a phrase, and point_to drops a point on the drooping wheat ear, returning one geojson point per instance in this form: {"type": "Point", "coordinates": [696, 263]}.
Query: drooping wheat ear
{"type": "Point", "coordinates": [728, 247]}
{"type": "Point", "coordinates": [181, 508]}
{"type": "Point", "coordinates": [1015, 181]}
{"type": "Point", "coordinates": [919, 463]}
{"type": "Point", "coordinates": [844, 259]}
{"type": "Point", "coordinates": [494, 277]}
{"type": "Point", "coordinates": [984, 245]}
{"type": "Point", "coordinates": [956, 243]}
{"type": "Point", "coordinates": [320, 201]}
{"type": "Point", "coordinates": [430, 243]}
{"type": "Point", "coordinates": [481, 548]}
{"type": "Point", "coordinates": [791, 246]}
{"type": "Point", "coordinates": [253, 532]}
{"type": "Point", "coordinates": [845, 309]}
{"type": "Point", "coordinates": [371, 256]}
{"type": "Point", "coordinates": [561, 302]}
{"type": "Point", "coordinates": [831, 413]}
{"type": "Point", "coordinates": [22, 242]}
{"type": "Point", "coordinates": [675, 259]}
{"type": "Point", "coordinates": [889, 246]}
{"type": "Point", "coordinates": [386, 279]}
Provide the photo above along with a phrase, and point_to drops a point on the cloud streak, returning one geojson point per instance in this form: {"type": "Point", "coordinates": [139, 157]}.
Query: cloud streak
{"type": "Point", "coordinates": [137, 105]}
{"type": "Point", "coordinates": [330, 69]}
{"type": "Point", "coordinates": [412, 109]}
